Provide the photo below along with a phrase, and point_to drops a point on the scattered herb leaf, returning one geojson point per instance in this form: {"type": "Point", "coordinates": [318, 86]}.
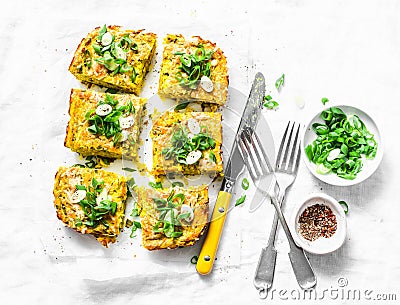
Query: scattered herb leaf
{"type": "Point", "coordinates": [128, 169]}
{"type": "Point", "coordinates": [245, 184]}
{"type": "Point", "coordinates": [177, 183]}
{"type": "Point", "coordinates": [194, 259]}
{"type": "Point", "coordinates": [156, 185]}
{"type": "Point", "coordinates": [324, 100]}
{"type": "Point", "coordinates": [240, 200]}
{"type": "Point", "coordinates": [280, 82]}
{"type": "Point", "coordinates": [181, 106]}
{"type": "Point", "coordinates": [344, 206]}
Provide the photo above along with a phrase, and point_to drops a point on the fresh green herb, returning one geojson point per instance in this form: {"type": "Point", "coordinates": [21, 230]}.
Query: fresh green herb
{"type": "Point", "coordinates": [324, 100]}
{"type": "Point", "coordinates": [136, 225]}
{"type": "Point", "coordinates": [177, 183]}
{"type": "Point", "coordinates": [130, 184]}
{"type": "Point", "coordinates": [240, 200]}
{"type": "Point", "coordinates": [111, 90]}
{"type": "Point", "coordinates": [169, 217]}
{"type": "Point", "coordinates": [245, 184]}
{"type": "Point", "coordinates": [342, 142]}
{"type": "Point", "coordinates": [271, 105]}
{"type": "Point", "coordinates": [114, 52]}
{"type": "Point", "coordinates": [156, 185]}
{"type": "Point", "coordinates": [78, 222]}
{"type": "Point", "coordinates": [212, 157]}
{"type": "Point", "coordinates": [181, 106]}
{"type": "Point", "coordinates": [194, 260]}
{"type": "Point", "coordinates": [109, 125]}
{"type": "Point", "coordinates": [128, 169]}
{"type": "Point", "coordinates": [87, 59]}
{"type": "Point", "coordinates": [280, 82]}
{"type": "Point", "coordinates": [268, 97]}
{"type": "Point", "coordinates": [135, 210]}
{"type": "Point", "coordinates": [95, 212]}
{"type": "Point", "coordinates": [182, 145]}
{"type": "Point", "coordinates": [193, 67]}
{"type": "Point", "coordinates": [344, 206]}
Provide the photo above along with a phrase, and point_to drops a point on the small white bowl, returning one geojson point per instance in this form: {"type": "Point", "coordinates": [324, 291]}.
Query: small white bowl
{"type": "Point", "coordinates": [322, 245]}
{"type": "Point", "coordinates": [369, 166]}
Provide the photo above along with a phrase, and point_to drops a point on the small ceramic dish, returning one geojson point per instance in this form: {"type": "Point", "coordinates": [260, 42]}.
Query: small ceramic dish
{"type": "Point", "coordinates": [369, 166]}
{"type": "Point", "coordinates": [322, 245]}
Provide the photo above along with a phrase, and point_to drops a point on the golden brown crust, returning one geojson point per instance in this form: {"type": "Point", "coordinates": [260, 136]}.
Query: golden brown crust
{"type": "Point", "coordinates": [161, 134]}
{"type": "Point", "coordinates": [97, 74]}
{"type": "Point", "coordinates": [169, 86]}
{"type": "Point", "coordinates": [80, 140]}
{"type": "Point", "coordinates": [196, 198]}
{"type": "Point", "coordinates": [65, 183]}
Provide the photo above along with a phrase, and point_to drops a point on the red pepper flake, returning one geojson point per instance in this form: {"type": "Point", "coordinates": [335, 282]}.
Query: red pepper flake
{"type": "Point", "coordinates": [317, 221]}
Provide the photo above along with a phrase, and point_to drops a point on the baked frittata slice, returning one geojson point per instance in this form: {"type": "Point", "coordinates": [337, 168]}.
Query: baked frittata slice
{"type": "Point", "coordinates": [103, 124]}
{"type": "Point", "coordinates": [172, 217]}
{"type": "Point", "coordinates": [193, 69]}
{"type": "Point", "coordinates": [91, 201]}
{"type": "Point", "coordinates": [187, 143]}
{"type": "Point", "coordinates": [114, 58]}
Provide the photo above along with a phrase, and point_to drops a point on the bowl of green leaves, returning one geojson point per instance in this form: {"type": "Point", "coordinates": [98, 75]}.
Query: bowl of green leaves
{"type": "Point", "coordinates": [342, 145]}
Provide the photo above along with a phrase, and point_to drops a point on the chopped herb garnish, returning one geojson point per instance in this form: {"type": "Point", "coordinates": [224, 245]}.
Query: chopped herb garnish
{"type": "Point", "coordinates": [156, 185]}
{"type": "Point", "coordinates": [136, 225]}
{"type": "Point", "coordinates": [114, 52]}
{"type": "Point", "coordinates": [177, 183]}
{"type": "Point", "coordinates": [344, 206]}
{"type": "Point", "coordinates": [193, 67]}
{"type": "Point", "coordinates": [280, 82]}
{"type": "Point", "coordinates": [245, 184]}
{"type": "Point", "coordinates": [169, 217]}
{"type": "Point", "coordinates": [128, 169]}
{"type": "Point", "coordinates": [135, 210]}
{"type": "Point", "coordinates": [182, 145]}
{"type": "Point", "coordinates": [181, 106]}
{"type": "Point", "coordinates": [240, 200]}
{"type": "Point", "coordinates": [271, 105]}
{"type": "Point", "coordinates": [342, 142]}
{"type": "Point", "coordinates": [212, 157]}
{"type": "Point", "coordinates": [109, 125]}
{"type": "Point", "coordinates": [268, 97]}
{"type": "Point", "coordinates": [324, 100]}
{"type": "Point", "coordinates": [194, 260]}
{"type": "Point", "coordinates": [130, 184]}
{"type": "Point", "coordinates": [95, 212]}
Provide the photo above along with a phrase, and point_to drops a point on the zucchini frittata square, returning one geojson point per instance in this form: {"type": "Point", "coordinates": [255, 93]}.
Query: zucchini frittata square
{"type": "Point", "coordinates": [184, 65]}
{"type": "Point", "coordinates": [91, 201]}
{"type": "Point", "coordinates": [172, 217]}
{"type": "Point", "coordinates": [114, 58]}
{"type": "Point", "coordinates": [103, 124]}
{"type": "Point", "coordinates": [187, 144]}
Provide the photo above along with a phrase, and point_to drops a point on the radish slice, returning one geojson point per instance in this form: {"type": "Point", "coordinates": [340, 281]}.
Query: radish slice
{"type": "Point", "coordinates": [126, 122]}
{"type": "Point", "coordinates": [106, 39]}
{"type": "Point", "coordinates": [78, 195]}
{"type": "Point", "coordinates": [206, 84]}
{"type": "Point", "coordinates": [194, 126]}
{"type": "Point", "coordinates": [193, 157]}
{"type": "Point", "coordinates": [103, 110]}
{"type": "Point", "coordinates": [187, 209]}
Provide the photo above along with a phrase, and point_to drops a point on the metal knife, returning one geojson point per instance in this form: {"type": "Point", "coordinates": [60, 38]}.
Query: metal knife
{"type": "Point", "coordinates": [234, 168]}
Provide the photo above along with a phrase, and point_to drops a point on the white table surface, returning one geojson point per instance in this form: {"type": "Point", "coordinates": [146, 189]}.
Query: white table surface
{"type": "Point", "coordinates": [347, 51]}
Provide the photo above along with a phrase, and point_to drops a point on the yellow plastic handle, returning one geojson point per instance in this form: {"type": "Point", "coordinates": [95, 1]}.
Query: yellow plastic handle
{"type": "Point", "coordinates": [207, 254]}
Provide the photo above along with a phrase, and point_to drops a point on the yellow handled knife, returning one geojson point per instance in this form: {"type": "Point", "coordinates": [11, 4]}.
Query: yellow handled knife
{"type": "Point", "coordinates": [234, 168]}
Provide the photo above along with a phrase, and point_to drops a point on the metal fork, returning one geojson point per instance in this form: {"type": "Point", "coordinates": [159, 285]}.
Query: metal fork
{"type": "Point", "coordinates": [259, 167]}
{"type": "Point", "coordinates": [286, 167]}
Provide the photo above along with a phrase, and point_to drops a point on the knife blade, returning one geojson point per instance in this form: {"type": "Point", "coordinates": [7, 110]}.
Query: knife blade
{"type": "Point", "coordinates": [235, 166]}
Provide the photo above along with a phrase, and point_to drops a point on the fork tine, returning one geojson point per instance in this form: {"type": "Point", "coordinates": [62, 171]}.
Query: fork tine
{"type": "Point", "coordinates": [266, 165]}
{"type": "Point", "coordinates": [283, 164]}
{"type": "Point", "coordinates": [279, 155]}
{"type": "Point", "coordinates": [248, 157]}
{"type": "Point", "coordinates": [296, 165]}
{"type": "Point", "coordinates": [292, 164]}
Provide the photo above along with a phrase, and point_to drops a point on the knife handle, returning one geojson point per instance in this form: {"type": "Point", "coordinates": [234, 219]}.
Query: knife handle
{"type": "Point", "coordinates": [209, 249]}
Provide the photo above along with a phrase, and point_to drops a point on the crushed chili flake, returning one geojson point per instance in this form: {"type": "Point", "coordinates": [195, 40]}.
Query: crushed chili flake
{"type": "Point", "coordinates": [317, 221]}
